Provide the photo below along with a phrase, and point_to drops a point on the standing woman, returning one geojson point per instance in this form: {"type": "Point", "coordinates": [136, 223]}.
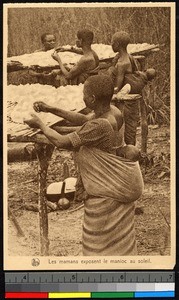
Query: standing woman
{"type": "Point", "coordinates": [112, 183]}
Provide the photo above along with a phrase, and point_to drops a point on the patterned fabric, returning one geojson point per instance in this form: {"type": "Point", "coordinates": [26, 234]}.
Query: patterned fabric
{"type": "Point", "coordinates": [95, 133]}
{"type": "Point", "coordinates": [110, 176]}
{"type": "Point", "coordinates": [113, 185]}
{"type": "Point", "coordinates": [108, 227]}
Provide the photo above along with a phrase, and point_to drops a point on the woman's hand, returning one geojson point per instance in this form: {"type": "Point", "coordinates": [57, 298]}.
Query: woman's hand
{"type": "Point", "coordinates": [41, 106]}
{"type": "Point", "coordinates": [34, 121]}
{"type": "Point", "coordinates": [56, 57]}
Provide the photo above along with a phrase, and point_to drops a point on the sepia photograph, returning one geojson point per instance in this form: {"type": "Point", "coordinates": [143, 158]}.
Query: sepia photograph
{"type": "Point", "coordinates": [89, 136]}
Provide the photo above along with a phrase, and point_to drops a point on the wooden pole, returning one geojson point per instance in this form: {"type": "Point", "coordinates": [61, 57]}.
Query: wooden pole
{"type": "Point", "coordinates": [144, 125]}
{"type": "Point", "coordinates": [143, 110]}
{"type": "Point", "coordinates": [44, 153]}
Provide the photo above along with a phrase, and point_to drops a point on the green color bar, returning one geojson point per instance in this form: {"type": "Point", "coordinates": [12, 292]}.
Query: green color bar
{"type": "Point", "coordinates": [112, 295]}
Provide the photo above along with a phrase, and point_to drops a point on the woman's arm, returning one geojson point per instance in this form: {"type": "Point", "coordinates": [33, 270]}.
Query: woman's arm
{"type": "Point", "coordinates": [60, 141]}
{"type": "Point", "coordinates": [65, 129]}
{"type": "Point", "coordinates": [56, 57]}
{"type": "Point", "coordinates": [72, 49]}
{"type": "Point", "coordinates": [71, 116]}
{"type": "Point", "coordinates": [78, 69]}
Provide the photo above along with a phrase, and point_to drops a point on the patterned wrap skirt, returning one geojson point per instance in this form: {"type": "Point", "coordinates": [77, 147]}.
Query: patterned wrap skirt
{"type": "Point", "coordinates": [113, 185]}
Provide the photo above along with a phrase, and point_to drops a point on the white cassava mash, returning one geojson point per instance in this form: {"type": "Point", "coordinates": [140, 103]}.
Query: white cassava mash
{"type": "Point", "coordinates": [44, 59]}
{"type": "Point", "coordinates": [68, 98]}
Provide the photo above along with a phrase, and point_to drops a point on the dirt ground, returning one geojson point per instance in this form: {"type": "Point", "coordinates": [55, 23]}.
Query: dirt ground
{"type": "Point", "coordinates": [152, 219]}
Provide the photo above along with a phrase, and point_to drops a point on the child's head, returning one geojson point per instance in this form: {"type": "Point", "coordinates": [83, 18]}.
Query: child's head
{"type": "Point", "coordinates": [85, 37]}
{"type": "Point", "coordinates": [98, 89]}
{"type": "Point", "coordinates": [150, 74]}
{"type": "Point", "coordinates": [48, 40]}
{"type": "Point", "coordinates": [120, 40]}
{"type": "Point", "coordinates": [130, 152]}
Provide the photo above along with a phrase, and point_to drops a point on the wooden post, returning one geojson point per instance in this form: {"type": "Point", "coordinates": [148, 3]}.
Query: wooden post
{"type": "Point", "coordinates": [44, 153]}
{"type": "Point", "coordinates": [143, 110]}
{"type": "Point", "coordinates": [144, 125]}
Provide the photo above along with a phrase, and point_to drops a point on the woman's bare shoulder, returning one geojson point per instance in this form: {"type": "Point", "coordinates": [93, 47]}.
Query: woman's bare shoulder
{"type": "Point", "coordinates": [117, 115]}
{"type": "Point", "coordinates": [116, 110]}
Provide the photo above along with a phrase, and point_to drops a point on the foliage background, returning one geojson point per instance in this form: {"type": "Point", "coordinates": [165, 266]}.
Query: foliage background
{"type": "Point", "coordinates": [145, 25]}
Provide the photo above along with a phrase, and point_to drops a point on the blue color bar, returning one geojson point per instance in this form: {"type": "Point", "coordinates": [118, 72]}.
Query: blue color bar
{"type": "Point", "coordinates": [154, 294]}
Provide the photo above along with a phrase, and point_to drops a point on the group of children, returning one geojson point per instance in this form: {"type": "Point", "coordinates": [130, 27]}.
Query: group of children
{"type": "Point", "coordinates": [124, 70]}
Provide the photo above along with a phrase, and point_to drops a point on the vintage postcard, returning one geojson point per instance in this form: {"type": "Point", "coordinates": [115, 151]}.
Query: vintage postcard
{"type": "Point", "coordinates": [89, 136]}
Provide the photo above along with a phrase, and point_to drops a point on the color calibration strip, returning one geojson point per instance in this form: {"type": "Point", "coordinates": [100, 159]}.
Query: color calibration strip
{"type": "Point", "coordinates": [44, 285]}
{"type": "Point", "coordinates": [102, 295]}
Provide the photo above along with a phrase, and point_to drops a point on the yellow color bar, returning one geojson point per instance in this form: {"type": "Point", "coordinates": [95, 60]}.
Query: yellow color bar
{"type": "Point", "coordinates": [69, 295]}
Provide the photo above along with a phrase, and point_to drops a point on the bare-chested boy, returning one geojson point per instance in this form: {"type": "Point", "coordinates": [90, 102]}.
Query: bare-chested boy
{"type": "Point", "coordinates": [122, 65]}
{"type": "Point", "coordinates": [87, 65]}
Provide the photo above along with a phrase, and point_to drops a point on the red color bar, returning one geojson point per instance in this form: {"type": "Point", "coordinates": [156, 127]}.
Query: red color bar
{"type": "Point", "coordinates": [26, 295]}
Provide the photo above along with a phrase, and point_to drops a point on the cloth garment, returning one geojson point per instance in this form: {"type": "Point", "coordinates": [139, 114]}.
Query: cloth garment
{"type": "Point", "coordinates": [113, 184]}
{"type": "Point", "coordinates": [94, 133]}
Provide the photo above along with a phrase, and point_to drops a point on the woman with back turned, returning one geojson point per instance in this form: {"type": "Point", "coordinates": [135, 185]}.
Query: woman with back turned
{"type": "Point", "coordinates": [112, 183]}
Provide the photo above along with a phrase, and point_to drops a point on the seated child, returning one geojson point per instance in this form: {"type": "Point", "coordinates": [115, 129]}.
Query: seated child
{"type": "Point", "coordinates": [129, 152]}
